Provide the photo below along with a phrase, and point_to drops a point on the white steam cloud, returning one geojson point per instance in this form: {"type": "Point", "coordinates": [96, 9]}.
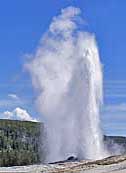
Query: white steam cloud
{"type": "Point", "coordinates": [66, 72]}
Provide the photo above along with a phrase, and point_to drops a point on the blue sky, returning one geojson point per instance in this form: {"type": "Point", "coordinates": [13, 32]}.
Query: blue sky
{"type": "Point", "coordinates": [22, 24]}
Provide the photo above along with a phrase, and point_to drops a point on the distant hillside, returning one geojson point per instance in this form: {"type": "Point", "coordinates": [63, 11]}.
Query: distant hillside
{"type": "Point", "coordinates": [20, 142]}
{"type": "Point", "coordinates": [115, 144]}
{"type": "Point", "coordinates": [120, 140]}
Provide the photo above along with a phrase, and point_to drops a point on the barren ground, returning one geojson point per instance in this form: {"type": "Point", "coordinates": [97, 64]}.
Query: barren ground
{"type": "Point", "coordinates": [115, 164]}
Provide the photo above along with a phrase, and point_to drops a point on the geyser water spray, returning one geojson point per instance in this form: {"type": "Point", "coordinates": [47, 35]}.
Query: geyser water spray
{"type": "Point", "coordinates": [66, 71]}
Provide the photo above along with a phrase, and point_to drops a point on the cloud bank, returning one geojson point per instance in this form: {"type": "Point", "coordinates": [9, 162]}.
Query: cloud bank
{"type": "Point", "coordinates": [18, 114]}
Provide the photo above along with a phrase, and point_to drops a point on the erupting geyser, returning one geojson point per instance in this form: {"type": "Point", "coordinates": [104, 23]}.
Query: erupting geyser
{"type": "Point", "coordinates": [67, 73]}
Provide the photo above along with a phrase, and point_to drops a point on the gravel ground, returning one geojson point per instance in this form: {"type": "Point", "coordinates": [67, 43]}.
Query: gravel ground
{"type": "Point", "coordinates": [115, 164]}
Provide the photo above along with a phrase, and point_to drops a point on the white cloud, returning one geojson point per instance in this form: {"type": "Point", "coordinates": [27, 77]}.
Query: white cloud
{"type": "Point", "coordinates": [13, 96]}
{"type": "Point", "coordinates": [116, 107]}
{"type": "Point", "coordinates": [115, 89]}
{"type": "Point", "coordinates": [113, 82]}
{"type": "Point", "coordinates": [8, 115]}
{"type": "Point", "coordinates": [114, 118]}
{"type": "Point", "coordinates": [19, 114]}
{"type": "Point", "coordinates": [115, 95]}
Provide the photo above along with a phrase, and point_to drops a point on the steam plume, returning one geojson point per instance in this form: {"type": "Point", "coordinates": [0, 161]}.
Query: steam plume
{"type": "Point", "coordinates": [66, 72]}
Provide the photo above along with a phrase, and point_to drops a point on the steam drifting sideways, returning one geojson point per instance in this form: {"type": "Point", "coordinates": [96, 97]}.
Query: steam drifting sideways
{"type": "Point", "coordinates": [66, 72]}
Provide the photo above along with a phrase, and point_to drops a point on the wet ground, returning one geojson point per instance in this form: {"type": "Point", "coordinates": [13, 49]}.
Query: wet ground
{"type": "Point", "coordinates": [115, 164]}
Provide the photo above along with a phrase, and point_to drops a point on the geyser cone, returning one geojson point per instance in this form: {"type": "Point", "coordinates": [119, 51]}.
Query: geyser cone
{"type": "Point", "coordinates": [66, 71]}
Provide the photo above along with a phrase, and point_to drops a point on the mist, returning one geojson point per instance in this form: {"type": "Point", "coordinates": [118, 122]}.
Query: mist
{"type": "Point", "coordinates": [67, 75]}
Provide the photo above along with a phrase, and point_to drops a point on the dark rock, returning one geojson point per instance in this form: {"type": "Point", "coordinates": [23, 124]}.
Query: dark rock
{"type": "Point", "coordinates": [70, 159]}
